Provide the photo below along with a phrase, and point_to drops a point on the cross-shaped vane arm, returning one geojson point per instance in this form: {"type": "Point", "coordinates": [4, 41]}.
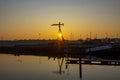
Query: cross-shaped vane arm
{"type": "Point", "coordinates": [59, 24]}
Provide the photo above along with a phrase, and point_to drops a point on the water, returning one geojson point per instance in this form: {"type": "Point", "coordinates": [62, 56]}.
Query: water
{"type": "Point", "coordinates": [28, 67]}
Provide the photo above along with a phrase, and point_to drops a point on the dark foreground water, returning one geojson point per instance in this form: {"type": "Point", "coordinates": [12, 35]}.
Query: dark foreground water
{"type": "Point", "coordinates": [28, 67]}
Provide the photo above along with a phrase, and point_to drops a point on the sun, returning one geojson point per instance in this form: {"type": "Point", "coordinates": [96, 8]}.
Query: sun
{"type": "Point", "coordinates": [60, 35]}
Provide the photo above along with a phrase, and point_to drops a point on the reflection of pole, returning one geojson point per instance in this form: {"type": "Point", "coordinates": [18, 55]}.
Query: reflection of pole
{"type": "Point", "coordinates": [80, 66]}
{"type": "Point", "coordinates": [60, 65]}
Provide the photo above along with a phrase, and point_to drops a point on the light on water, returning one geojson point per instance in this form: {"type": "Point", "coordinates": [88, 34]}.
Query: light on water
{"type": "Point", "coordinates": [28, 67]}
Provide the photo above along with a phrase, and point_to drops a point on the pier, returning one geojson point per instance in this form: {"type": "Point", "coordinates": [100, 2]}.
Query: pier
{"type": "Point", "coordinates": [95, 62]}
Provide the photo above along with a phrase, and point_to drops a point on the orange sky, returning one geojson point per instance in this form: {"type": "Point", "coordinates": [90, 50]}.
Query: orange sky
{"type": "Point", "coordinates": [31, 19]}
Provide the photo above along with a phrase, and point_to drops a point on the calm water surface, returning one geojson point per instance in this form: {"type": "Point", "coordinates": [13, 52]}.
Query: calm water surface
{"type": "Point", "coordinates": [28, 67]}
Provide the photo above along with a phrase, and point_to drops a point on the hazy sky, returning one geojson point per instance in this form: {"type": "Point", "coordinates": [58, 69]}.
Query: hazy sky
{"type": "Point", "coordinates": [31, 19]}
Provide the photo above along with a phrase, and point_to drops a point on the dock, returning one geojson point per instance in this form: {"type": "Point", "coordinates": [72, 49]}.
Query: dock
{"type": "Point", "coordinates": [94, 62]}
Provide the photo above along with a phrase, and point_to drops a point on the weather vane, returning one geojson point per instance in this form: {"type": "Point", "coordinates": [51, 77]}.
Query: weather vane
{"type": "Point", "coordinates": [60, 37]}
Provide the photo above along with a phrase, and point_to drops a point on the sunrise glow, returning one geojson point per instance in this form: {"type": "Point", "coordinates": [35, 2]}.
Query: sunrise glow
{"type": "Point", "coordinates": [27, 18]}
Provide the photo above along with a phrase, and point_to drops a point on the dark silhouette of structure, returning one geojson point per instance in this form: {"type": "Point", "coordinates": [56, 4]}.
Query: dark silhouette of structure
{"type": "Point", "coordinates": [60, 38]}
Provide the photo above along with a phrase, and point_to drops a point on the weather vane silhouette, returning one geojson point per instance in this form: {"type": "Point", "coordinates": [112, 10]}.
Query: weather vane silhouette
{"type": "Point", "coordinates": [60, 38]}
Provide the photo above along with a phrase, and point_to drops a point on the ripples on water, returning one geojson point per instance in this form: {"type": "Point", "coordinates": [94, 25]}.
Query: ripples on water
{"type": "Point", "coordinates": [28, 67]}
